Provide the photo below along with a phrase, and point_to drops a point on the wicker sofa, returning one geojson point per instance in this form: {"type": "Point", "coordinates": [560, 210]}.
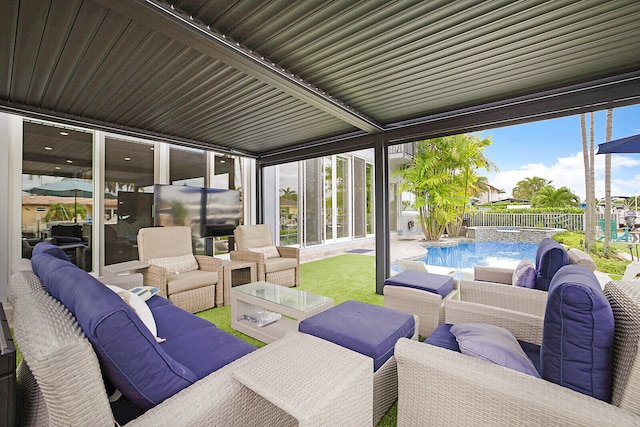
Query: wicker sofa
{"type": "Point", "coordinates": [61, 376]}
{"type": "Point", "coordinates": [463, 390]}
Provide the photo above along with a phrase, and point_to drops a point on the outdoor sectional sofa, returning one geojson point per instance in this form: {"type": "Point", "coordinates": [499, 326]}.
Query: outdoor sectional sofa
{"type": "Point", "coordinates": [465, 390]}
{"type": "Point", "coordinates": [82, 344]}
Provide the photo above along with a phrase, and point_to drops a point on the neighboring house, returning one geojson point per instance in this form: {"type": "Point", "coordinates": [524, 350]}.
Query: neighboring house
{"type": "Point", "coordinates": [491, 195]}
{"type": "Point", "coordinates": [36, 208]}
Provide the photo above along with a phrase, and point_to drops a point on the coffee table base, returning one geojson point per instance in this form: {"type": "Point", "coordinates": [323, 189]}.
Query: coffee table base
{"type": "Point", "coordinates": [242, 304]}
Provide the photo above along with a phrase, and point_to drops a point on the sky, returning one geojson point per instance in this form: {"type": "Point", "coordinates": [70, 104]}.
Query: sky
{"type": "Point", "coordinates": [552, 149]}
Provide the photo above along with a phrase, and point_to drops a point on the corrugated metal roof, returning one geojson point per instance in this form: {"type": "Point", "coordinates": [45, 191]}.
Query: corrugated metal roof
{"type": "Point", "coordinates": [259, 77]}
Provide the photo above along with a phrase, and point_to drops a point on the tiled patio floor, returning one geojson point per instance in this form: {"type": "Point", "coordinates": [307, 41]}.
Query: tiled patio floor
{"type": "Point", "coordinates": [402, 247]}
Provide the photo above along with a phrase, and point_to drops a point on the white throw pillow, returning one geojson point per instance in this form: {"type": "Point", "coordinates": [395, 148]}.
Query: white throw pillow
{"type": "Point", "coordinates": [269, 251]}
{"type": "Point", "coordinates": [140, 308]}
{"type": "Point", "coordinates": [176, 264]}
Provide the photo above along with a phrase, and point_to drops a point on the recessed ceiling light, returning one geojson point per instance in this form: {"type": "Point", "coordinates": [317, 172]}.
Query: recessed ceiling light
{"type": "Point", "coordinates": [57, 168]}
{"type": "Point", "coordinates": [69, 161]}
{"type": "Point", "coordinates": [48, 148]}
{"type": "Point", "coordinates": [63, 133]}
{"type": "Point", "coordinates": [126, 159]}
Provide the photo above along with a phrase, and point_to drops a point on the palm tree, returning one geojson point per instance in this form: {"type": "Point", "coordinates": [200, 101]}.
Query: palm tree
{"type": "Point", "coordinates": [288, 193]}
{"type": "Point", "coordinates": [527, 188]}
{"type": "Point", "coordinates": [443, 176]}
{"type": "Point", "coordinates": [61, 212]}
{"type": "Point", "coordinates": [607, 184]}
{"type": "Point", "coordinates": [589, 203]}
{"type": "Point", "coordinates": [549, 197]}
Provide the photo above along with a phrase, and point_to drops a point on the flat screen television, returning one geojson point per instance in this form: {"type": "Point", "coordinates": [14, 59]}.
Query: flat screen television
{"type": "Point", "coordinates": [209, 212]}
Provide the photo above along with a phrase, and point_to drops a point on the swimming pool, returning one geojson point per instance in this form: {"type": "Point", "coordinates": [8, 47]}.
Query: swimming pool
{"type": "Point", "coordinates": [468, 254]}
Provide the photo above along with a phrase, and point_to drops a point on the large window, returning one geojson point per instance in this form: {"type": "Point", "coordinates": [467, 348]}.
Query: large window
{"type": "Point", "coordinates": [187, 166]}
{"type": "Point", "coordinates": [288, 202]}
{"type": "Point", "coordinates": [57, 185]}
{"type": "Point", "coordinates": [359, 198]}
{"type": "Point", "coordinates": [370, 198]}
{"type": "Point", "coordinates": [313, 201]}
{"type": "Point", "coordinates": [128, 197]}
{"type": "Point", "coordinates": [342, 206]}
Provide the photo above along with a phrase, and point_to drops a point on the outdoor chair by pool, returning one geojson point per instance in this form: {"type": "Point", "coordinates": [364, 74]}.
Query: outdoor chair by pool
{"type": "Point", "coordinates": [615, 237]}
{"type": "Point", "coordinates": [439, 386]}
{"type": "Point", "coordinates": [276, 264]}
{"type": "Point", "coordinates": [523, 289]}
{"type": "Point", "coordinates": [406, 265]}
{"type": "Point", "coordinates": [192, 282]}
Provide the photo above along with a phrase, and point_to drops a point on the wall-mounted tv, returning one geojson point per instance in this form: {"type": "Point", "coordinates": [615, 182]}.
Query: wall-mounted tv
{"type": "Point", "coordinates": [209, 212]}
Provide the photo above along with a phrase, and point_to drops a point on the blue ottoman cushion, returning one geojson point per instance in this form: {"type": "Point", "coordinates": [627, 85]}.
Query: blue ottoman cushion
{"type": "Point", "coordinates": [367, 329]}
{"type": "Point", "coordinates": [434, 283]}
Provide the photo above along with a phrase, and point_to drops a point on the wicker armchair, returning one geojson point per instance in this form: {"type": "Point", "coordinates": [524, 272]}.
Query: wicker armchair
{"type": "Point", "coordinates": [276, 264]}
{"type": "Point", "coordinates": [463, 390]}
{"type": "Point", "coordinates": [193, 290]}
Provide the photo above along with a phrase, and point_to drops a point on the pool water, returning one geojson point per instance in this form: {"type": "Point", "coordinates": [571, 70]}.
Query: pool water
{"type": "Point", "coordinates": [466, 255]}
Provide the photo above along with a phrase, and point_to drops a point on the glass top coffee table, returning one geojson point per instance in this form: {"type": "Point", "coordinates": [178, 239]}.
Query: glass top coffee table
{"type": "Point", "coordinates": [261, 299]}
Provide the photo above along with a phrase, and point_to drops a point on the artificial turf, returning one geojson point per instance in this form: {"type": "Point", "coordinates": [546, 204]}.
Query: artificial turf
{"type": "Point", "coordinates": [343, 277]}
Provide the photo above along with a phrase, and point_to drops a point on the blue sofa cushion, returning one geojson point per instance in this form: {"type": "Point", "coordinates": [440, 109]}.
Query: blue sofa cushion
{"type": "Point", "coordinates": [550, 257]}
{"type": "Point", "coordinates": [367, 329]}
{"type": "Point", "coordinates": [429, 282]}
{"type": "Point", "coordinates": [51, 249]}
{"type": "Point", "coordinates": [577, 340]}
{"type": "Point", "coordinates": [129, 355]}
{"type": "Point", "coordinates": [193, 341]}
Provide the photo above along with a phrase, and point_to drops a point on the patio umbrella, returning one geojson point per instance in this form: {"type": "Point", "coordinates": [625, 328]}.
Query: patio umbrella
{"type": "Point", "coordinates": [68, 187]}
{"type": "Point", "coordinates": [630, 144]}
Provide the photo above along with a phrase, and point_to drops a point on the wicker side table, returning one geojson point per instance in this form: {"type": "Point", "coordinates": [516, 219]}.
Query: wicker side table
{"type": "Point", "coordinates": [328, 385]}
{"type": "Point", "coordinates": [236, 273]}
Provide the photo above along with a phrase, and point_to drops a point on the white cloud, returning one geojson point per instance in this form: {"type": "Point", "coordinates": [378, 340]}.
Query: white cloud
{"type": "Point", "coordinates": [569, 172]}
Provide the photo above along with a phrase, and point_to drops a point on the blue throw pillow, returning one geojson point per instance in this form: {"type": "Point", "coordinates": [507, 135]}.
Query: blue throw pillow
{"type": "Point", "coordinates": [525, 274]}
{"type": "Point", "coordinates": [577, 340]}
{"type": "Point", "coordinates": [494, 344]}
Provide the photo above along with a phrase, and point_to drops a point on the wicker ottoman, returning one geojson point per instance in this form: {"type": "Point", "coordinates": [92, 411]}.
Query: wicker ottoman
{"type": "Point", "coordinates": [422, 294]}
{"type": "Point", "coordinates": [370, 330]}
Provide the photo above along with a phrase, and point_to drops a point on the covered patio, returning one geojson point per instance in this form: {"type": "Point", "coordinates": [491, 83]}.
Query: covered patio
{"type": "Point", "coordinates": [280, 82]}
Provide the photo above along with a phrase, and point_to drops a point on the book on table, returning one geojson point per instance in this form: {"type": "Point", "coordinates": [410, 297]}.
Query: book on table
{"type": "Point", "coordinates": [262, 318]}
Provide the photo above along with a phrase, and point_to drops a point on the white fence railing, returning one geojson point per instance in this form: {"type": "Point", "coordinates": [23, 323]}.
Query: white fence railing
{"type": "Point", "coordinates": [570, 222]}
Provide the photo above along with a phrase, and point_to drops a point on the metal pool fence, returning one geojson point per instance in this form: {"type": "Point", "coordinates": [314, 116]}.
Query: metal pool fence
{"type": "Point", "coordinates": [570, 222]}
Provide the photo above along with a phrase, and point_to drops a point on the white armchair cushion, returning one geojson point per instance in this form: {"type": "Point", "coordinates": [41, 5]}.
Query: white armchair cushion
{"type": "Point", "coordinates": [269, 251]}
{"type": "Point", "coordinates": [177, 264]}
{"type": "Point", "coordinates": [278, 264]}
